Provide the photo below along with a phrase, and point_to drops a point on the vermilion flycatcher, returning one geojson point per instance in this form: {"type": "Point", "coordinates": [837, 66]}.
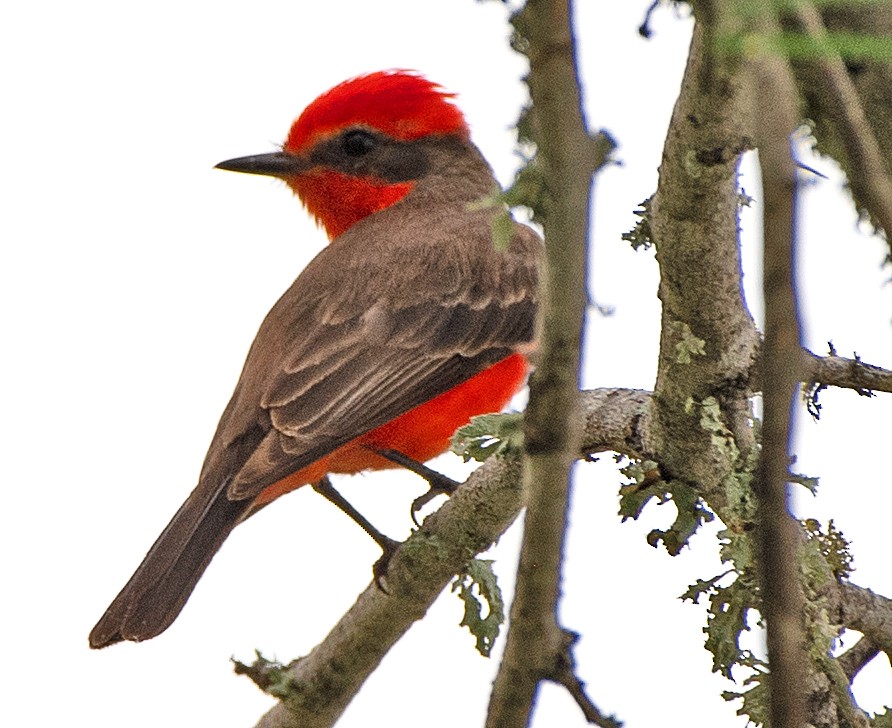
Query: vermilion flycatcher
{"type": "Point", "coordinates": [409, 323]}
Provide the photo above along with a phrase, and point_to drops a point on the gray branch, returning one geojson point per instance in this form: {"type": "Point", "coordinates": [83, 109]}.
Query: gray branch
{"type": "Point", "coordinates": [316, 689]}
{"type": "Point", "coordinates": [839, 371]}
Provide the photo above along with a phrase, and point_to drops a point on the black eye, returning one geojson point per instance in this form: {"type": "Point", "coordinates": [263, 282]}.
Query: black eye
{"type": "Point", "coordinates": [358, 142]}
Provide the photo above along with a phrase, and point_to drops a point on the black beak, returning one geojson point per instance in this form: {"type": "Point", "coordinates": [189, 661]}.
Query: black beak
{"type": "Point", "coordinates": [275, 164]}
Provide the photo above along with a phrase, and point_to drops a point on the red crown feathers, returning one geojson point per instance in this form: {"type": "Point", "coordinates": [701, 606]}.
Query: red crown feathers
{"type": "Point", "coordinates": [401, 104]}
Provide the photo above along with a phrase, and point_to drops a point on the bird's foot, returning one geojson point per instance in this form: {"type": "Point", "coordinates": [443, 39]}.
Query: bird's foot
{"type": "Point", "coordinates": [439, 484]}
{"type": "Point", "coordinates": [379, 570]}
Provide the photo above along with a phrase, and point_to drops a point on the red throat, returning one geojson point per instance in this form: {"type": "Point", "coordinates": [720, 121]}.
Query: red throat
{"type": "Point", "coordinates": [338, 201]}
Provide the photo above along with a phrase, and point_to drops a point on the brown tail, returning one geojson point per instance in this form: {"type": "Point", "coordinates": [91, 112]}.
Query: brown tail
{"type": "Point", "coordinates": [157, 591]}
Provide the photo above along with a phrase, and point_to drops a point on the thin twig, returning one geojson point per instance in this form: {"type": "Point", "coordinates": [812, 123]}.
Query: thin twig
{"type": "Point", "coordinates": [564, 673]}
{"type": "Point", "coordinates": [782, 599]}
{"type": "Point", "coordinates": [839, 371]}
{"type": "Point", "coordinates": [870, 175]}
{"type": "Point", "coordinates": [644, 29]}
{"type": "Point", "coordinates": [568, 157]}
{"type": "Point", "coordinates": [856, 657]}
{"type": "Point", "coordinates": [867, 612]}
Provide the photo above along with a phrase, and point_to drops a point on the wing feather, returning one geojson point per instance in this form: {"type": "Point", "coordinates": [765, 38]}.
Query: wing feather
{"type": "Point", "coordinates": [362, 337]}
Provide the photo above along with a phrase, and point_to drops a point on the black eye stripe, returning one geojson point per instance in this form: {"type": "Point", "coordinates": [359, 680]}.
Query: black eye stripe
{"type": "Point", "coordinates": [360, 152]}
{"type": "Point", "coordinates": [358, 142]}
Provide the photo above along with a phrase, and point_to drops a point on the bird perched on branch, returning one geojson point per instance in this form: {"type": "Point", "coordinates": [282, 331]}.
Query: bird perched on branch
{"type": "Point", "coordinates": [408, 324]}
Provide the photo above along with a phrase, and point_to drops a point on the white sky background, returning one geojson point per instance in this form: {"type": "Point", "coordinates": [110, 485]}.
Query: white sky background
{"type": "Point", "coordinates": [134, 277]}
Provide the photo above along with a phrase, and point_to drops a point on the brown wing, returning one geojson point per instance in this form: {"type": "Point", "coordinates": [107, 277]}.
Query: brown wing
{"type": "Point", "coordinates": [400, 324]}
{"type": "Point", "coordinates": [385, 318]}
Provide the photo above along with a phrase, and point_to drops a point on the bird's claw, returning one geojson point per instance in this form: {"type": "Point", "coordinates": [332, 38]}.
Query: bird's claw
{"type": "Point", "coordinates": [439, 484]}
{"type": "Point", "coordinates": [425, 498]}
{"type": "Point", "coordinates": [379, 570]}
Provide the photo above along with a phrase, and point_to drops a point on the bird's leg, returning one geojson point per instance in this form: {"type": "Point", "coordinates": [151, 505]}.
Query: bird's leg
{"type": "Point", "coordinates": [438, 483]}
{"type": "Point", "coordinates": [387, 544]}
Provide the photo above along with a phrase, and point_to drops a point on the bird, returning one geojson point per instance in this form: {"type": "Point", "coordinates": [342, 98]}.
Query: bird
{"type": "Point", "coordinates": [408, 323]}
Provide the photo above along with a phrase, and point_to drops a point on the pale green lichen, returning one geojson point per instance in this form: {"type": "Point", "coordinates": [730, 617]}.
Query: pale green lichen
{"type": "Point", "coordinates": [688, 345]}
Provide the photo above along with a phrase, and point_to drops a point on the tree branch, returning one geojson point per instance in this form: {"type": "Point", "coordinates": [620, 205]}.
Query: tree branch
{"type": "Point", "coordinates": [564, 673]}
{"type": "Point", "coordinates": [567, 157]}
{"type": "Point", "coordinates": [315, 690]}
{"type": "Point", "coordinates": [867, 612]}
{"type": "Point", "coordinates": [856, 657]}
{"type": "Point", "coordinates": [708, 341]}
{"type": "Point", "coordinates": [867, 169]}
{"type": "Point", "coordinates": [778, 533]}
{"type": "Point", "coordinates": [838, 371]}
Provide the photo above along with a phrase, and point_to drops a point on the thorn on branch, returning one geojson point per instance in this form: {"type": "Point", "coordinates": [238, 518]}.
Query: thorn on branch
{"type": "Point", "coordinates": [857, 367]}
{"type": "Point", "coordinates": [602, 147]}
{"type": "Point", "coordinates": [271, 676]}
{"type": "Point", "coordinates": [812, 170]}
{"type": "Point", "coordinates": [602, 309]}
{"type": "Point", "coordinates": [564, 673]}
{"type": "Point", "coordinates": [811, 392]}
{"type": "Point", "coordinates": [640, 236]}
{"type": "Point", "coordinates": [644, 29]}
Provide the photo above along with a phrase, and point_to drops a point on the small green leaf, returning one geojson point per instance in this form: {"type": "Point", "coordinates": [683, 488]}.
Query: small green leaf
{"type": "Point", "coordinates": [725, 620]}
{"type": "Point", "coordinates": [736, 548]}
{"type": "Point", "coordinates": [808, 482]}
{"type": "Point", "coordinates": [479, 573]}
{"type": "Point", "coordinates": [271, 676]}
{"type": "Point", "coordinates": [489, 435]}
{"type": "Point", "coordinates": [640, 236]}
{"type": "Point", "coordinates": [703, 587]}
{"type": "Point", "coordinates": [832, 545]}
{"type": "Point", "coordinates": [691, 513]}
{"type": "Point", "coordinates": [755, 700]}
{"type": "Point", "coordinates": [690, 509]}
